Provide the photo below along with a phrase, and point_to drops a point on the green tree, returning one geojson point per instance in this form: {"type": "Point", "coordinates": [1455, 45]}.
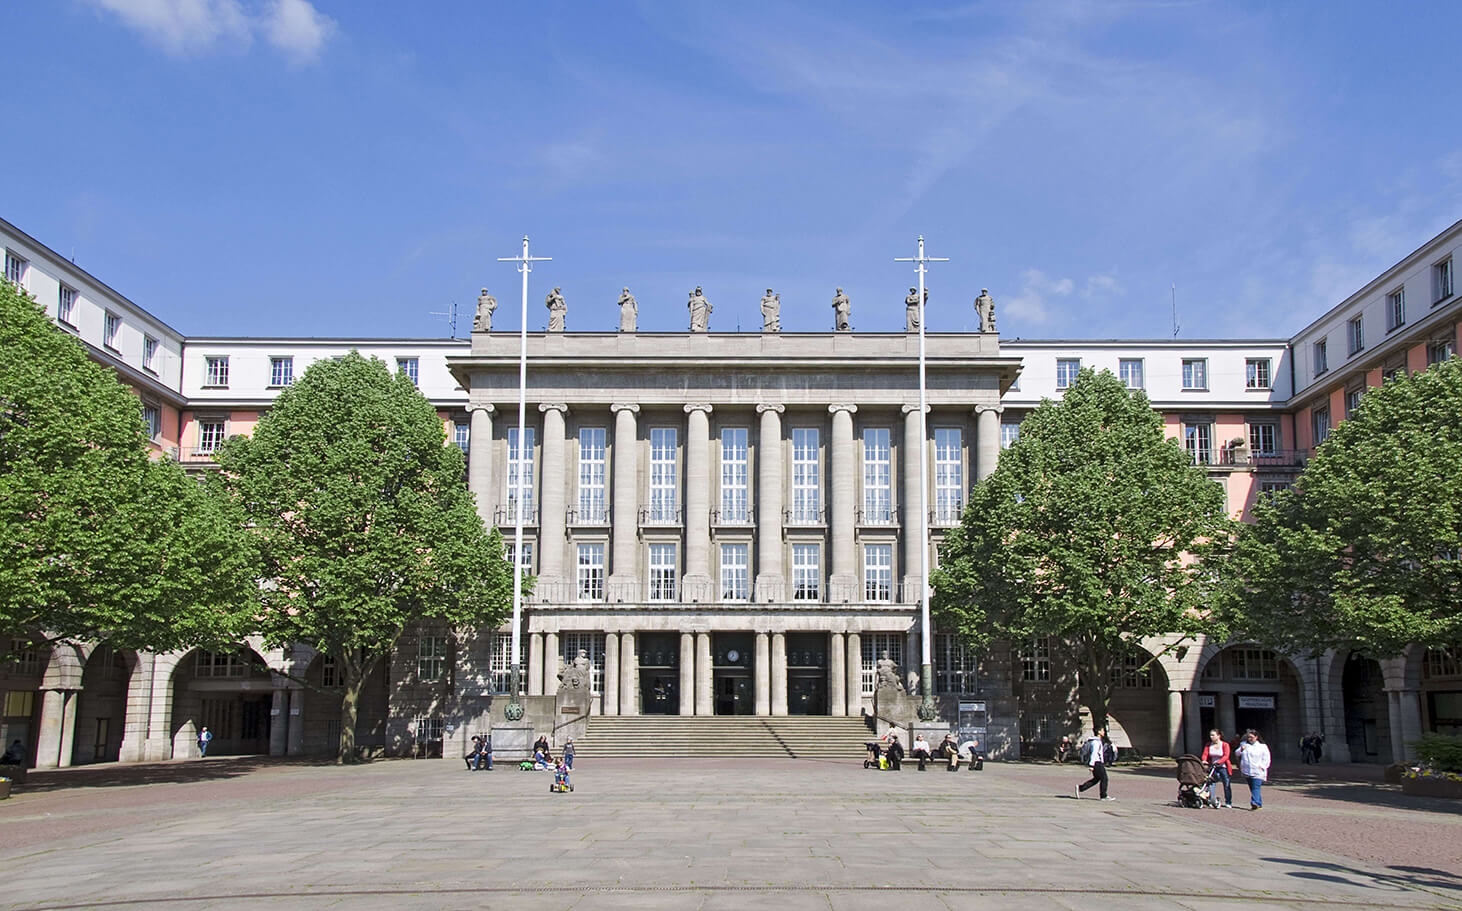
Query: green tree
{"type": "Point", "coordinates": [363, 521]}
{"type": "Point", "coordinates": [1094, 530]}
{"type": "Point", "coordinates": [1366, 550]}
{"type": "Point", "coordinates": [97, 540]}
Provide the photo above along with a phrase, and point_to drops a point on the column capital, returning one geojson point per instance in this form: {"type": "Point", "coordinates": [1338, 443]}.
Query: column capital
{"type": "Point", "coordinates": [767, 406]}
{"type": "Point", "coordinates": [632, 408]}
{"type": "Point", "coordinates": [910, 409]}
{"type": "Point", "coordinates": [560, 407]}
{"type": "Point", "coordinates": [997, 409]}
{"type": "Point", "coordinates": [693, 407]}
{"type": "Point", "coordinates": [481, 406]}
{"type": "Point", "coordinates": [842, 406]}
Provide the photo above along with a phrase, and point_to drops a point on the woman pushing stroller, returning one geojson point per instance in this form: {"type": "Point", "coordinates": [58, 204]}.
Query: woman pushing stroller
{"type": "Point", "coordinates": [1217, 759]}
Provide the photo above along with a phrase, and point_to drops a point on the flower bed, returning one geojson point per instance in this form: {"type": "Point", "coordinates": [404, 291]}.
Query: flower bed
{"type": "Point", "coordinates": [1447, 784]}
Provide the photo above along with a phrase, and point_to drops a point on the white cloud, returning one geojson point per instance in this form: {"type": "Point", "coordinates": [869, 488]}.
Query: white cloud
{"type": "Point", "coordinates": [1033, 303]}
{"type": "Point", "coordinates": [192, 27]}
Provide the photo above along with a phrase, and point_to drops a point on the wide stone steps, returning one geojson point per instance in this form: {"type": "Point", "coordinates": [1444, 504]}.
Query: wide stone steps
{"type": "Point", "coordinates": [793, 736]}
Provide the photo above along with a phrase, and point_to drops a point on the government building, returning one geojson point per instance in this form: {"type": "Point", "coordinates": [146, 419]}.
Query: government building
{"type": "Point", "coordinates": [728, 524]}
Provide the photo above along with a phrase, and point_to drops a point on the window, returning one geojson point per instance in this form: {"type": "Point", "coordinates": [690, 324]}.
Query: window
{"type": "Point", "coordinates": [281, 371]}
{"type": "Point", "coordinates": [877, 477]}
{"type": "Point", "coordinates": [210, 436]}
{"type": "Point", "coordinates": [1394, 370]}
{"type": "Point", "coordinates": [1009, 433]}
{"type": "Point", "coordinates": [1134, 672]}
{"type": "Point", "coordinates": [1270, 488]}
{"type": "Point", "coordinates": [22, 658]}
{"type": "Point", "coordinates": [411, 367]}
{"type": "Point", "coordinates": [1352, 399]}
{"type": "Point", "coordinates": [220, 664]}
{"type": "Point", "coordinates": [955, 667]}
{"type": "Point", "coordinates": [525, 565]}
{"type": "Point", "coordinates": [662, 572]}
{"type": "Point", "coordinates": [1253, 664]}
{"type": "Point", "coordinates": [1035, 661]}
{"type": "Point", "coordinates": [500, 661]}
{"type": "Point", "coordinates": [948, 475]}
{"type": "Point", "coordinates": [520, 475]}
{"type": "Point", "coordinates": [806, 479]}
{"type": "Point", "coordinates": [1066, 371]}
{"type": "Point", "coordinates": [1319, 357]}
{"type": "Point", "coordinates": [1195, 373]}
{"type": "Point", "coordinates": [152, 418]}
{"type": "Point", "coordinates": [1256, 373]}
{"type": "Point", "coordinates": [66, 306]}
{"type": "Point", "coordinates": [1438, 350]}
{"type": "Point", "coordinates": [1396, 309]}
{"type": "Point", "coordinates": [591, 474]}
{"type": "Point", "coordinates": [592, 645]}
{"type": "Point", "coordinates": [1198, 440]}
{"type": "Point", "coordinates": [663, 483]}
{"type": "Point", "coordinates": [735, 476]}
{"type": "Point", "coordinates": [1442, 280]}
{"type": "Point", "coordinates": [431, 658]}
{"type": "Point", "coordinates": [329, 671]}
{"type": "Point", "coordinates": [1355, 334]}
{"type": "Point", "coordinates": [427, 728]}
{"type": "Point", "coordinates": [1321, 420]}
{"type": "Point", "coordinates": [462, 436]}
{"type": "Point", "coordinates": [1441, 662]}
{"type": "Point", "coordinates": [19, 703]}
{"type": "Point", "coordinates": [806, 572]}
{"type": "Point", "coordinates": [877, 572]}
{"type": "Point", "coordinates": [1263, 438]}
{"type": "Point", "coordinates": [735, 572]}
{"type": "Point", "coordinates": [1129, 371]}
{"type": "Point", "coordinates": [591, 572]}
{"type": "Point", "coordinates": [149, 354]}
{"type": "Point", "coordinates": [874, 645]}
{"type": "Point", "coordinates": [111, 327]}
{"type": "Point", "coordinates": [15, 269]}
{"type": "Point", "coordinates": [216, 371]}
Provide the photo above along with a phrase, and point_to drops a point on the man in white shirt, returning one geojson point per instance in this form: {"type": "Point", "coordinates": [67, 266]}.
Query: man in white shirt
{"type": "Point", "coordinates": [1094, 751]}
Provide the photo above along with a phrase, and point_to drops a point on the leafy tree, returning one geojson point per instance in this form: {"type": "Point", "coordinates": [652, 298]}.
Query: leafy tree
{"type": "Point", "coordinates": [363, 521]}
{"type": "Point", "coordinates": [1366, 550]}
{"type": "Point", "coordinates": [97, 540]}
{"type": "Point", "coordinates": [1094, 531]}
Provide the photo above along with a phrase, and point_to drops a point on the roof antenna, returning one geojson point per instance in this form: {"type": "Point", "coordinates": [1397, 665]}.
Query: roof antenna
{"type": "Point", "coordinates": [1175, 310]}
{"type": "Point", "coordinates": [451, 314]}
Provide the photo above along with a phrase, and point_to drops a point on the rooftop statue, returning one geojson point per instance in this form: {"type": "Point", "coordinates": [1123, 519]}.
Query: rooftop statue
{"type": "Point", "coordinates": [842, 311]}
{"type": "Point", "coordinates": [911, 309]}
{"type": "Point", "coordinates": [486, 303]}
{"type": "Point", "coordinates": [629, 311]}
{"type": "Point", "coordinates": [985, 307]}
{"type": "Point", "coordinates": [771, 312]}
{"type": "Point", "coordinates": [557, 309]}
{"type": "Point", "coordinates": [700, 311]}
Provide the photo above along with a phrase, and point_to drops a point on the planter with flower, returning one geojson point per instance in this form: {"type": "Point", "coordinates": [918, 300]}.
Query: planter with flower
{"type": "Point", "coordinates": [1438, 771]}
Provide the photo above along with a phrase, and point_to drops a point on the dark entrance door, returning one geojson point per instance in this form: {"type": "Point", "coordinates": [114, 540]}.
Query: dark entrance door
{"type": "Point", "coordinates": [807, 673]}
{"type": "Point", "coordinates": [659, 673]}
{"type": "Point", "coordinates": [732, 665]}
{"type": "Point", "coordinates": [1258, 711]}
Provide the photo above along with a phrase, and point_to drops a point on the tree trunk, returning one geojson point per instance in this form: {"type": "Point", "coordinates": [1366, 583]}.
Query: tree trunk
{"type": "Point", "coordinates": [1096, 686]}
{"type": "Point", "coordinates": [354, 678]}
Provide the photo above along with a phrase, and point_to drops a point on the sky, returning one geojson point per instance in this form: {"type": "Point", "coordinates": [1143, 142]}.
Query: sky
{"type": "Point", "coordinates": [331, 168]}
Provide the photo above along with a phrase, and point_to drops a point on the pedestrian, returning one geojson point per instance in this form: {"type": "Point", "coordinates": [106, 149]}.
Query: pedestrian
{"type": "Point", "coordinates": [1217, 754]}
{"type": "Point", "coordinates": [1096, 752]}
{"type": "Point", "coordinates": [474, 753]}
{"type": "Point", "coordinates": [895, 752]}
{"type": "Point", "coordinates": [1254, 765]}
{"type": "Point", "coordinates": [568, 754]}
{"type": "Point", "coordinates": [205, 737]}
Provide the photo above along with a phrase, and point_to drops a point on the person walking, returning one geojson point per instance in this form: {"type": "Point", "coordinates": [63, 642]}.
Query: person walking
{"type": "Point", "coordinates": [1254, 765]}
{"type": "Point", "coordinates": [1217, 754]}
{"type": "Point", "coordinates": [1096, 752]}
{"type": "Point", "coordinates": [568, 754]}
{"type": "Point", "coordinates": [205, 737]}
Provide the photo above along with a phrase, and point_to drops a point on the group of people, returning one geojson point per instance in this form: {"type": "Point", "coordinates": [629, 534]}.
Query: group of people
{"type": "Point", "coordinates": [479, 754]}
{"type": "Point", "coordinates": [1250, 752]}
{"type": "Point", "coordinates": [950, 749]}
{"type": "Point", "coordinates": [1312, 746]}
{"type": "Point", "coordinates": [543, 755]}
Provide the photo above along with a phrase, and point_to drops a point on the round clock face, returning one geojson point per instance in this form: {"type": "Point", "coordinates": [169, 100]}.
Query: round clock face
{"type": "Point", "coordinates": [733, 656]}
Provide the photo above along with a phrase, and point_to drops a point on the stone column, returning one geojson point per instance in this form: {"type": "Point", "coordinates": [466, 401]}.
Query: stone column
{"type": "Point", "coordinates": [687, 674]}
{"type": "Point", "coordinates": [855, 674]}
{"type": "Point", "coordinates": [278, 721]}
{"type": "Point", "coordinates": [1175, 723]}
{"type": "Point", "coordinates": [763, 674]}
{"type": "Point", "coordinates": [987, 440]}
{"type": "Point", "coordinates": [552, 485]}
{"type": "Point", "coordinates": [551, 661]}
{"type": "Point", "coordinates": [48, 738]}
{"type": "Point", "coordinates": [837, 676]}
{"type": "Point", "coordinates": [913, 655]}
{"type": "Point", "coordinates": [771, 582]}
{"type": "Point", "coordinates": [1410, 725]}
{"type": "Point", "coordinates": [624, 574]}
{"type": "Point", "coordinates": [138, 710]}
{"type": "Point", "coordinates": [697, 581]}
{"type": "Point", "coordinates": [535, 664]}
{"type": "Point", "coordinates": [1193, 722]}
{"type": "Point", "coordinates": [779, 674]}
{"type": "Point", "coordinates": [68, 727]}
{"type": "Point", "coordinates": [629, 675]}
{"type": "Point", "coordinates": [705, 703]}
{"type": "Point", "coordinates": [611, 674]}
{"type": "Point", "coordinates": [910, 453]}
{"type": "Point", "coordinates": [1223, 711]}
{"type": "Point", "coordinates": [1393, 712]}
{"type": "Point", "coordinates": [295, 741]}
{"type": "Point", "coordinates": [479, 460]}
{"type": "Point", "coordinates": [843, 585]}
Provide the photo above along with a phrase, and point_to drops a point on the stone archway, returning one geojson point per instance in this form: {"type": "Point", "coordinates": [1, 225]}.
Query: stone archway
{"type": "Point", "coordinates": [1248, 686]}
{"type": "Point", "coordinates": [1367, 712]}
{"type": "Point", "coordinates": [230, 693]}
{"type": "Point", "coordinates": [102, 713]}
{"type": "Point", "coordinates": [1140, 705]}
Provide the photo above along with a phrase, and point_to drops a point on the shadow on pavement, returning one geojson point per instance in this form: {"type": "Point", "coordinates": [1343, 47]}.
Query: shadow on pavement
{"type": "Point", "coordinates": [1402, 877]}
{"type": "Point", "coordinates": [114, 775]}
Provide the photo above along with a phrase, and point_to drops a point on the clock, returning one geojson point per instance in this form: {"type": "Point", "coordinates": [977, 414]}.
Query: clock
{"type": "Point", "coordinates": [733, 656]}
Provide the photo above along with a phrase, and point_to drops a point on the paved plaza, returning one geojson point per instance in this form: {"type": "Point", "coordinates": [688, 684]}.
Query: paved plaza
{"type": "Point", "coordinates": [743, 834]}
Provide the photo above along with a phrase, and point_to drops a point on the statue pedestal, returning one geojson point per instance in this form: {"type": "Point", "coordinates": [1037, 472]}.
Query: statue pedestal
{"type": "Point", "coordinates": [894, 708]}
{"type": "Point", "coordinates": [512, 742]}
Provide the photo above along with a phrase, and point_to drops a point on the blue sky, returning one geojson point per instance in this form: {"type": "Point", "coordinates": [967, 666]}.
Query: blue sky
{"type": "Point", "coordinates": [323, 168]}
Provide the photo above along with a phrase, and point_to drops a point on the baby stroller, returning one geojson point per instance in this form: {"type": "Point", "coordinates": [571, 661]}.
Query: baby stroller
{"type": "Point", "coordinates": [561, 781]}
{"type": "Point", "coordinates": [1195, 783]}
{"type": "Point", "coordinates": [875, 758]}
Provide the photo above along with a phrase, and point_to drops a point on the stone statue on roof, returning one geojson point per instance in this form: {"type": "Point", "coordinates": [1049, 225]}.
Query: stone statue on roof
{"type": "Point", "coordinates": [700, 311]}
{"type": "Point", "coordinates": [557, 309]}
{"type": "Point", "coordinates": [771, 312]}
{"type": "Point", "coordinates": [629, 311]}
{"type": "Point", "coordinates": [482, 321]}
{"type": "Point", "coordinates": [842, 312]}
{"type": "Point", "coordinates": [985, 308]}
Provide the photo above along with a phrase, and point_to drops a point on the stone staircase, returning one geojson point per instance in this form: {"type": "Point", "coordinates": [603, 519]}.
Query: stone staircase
{"type": "Point", "coordinates": [665, 736]}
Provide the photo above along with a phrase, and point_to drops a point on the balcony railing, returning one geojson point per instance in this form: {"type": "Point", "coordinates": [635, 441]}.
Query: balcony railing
{"type": "Point", "coordinates": [737, 514]}
{"type": "Point", "coordinates": [508, 515]}
{"type": "Point", "coordinates": [946, 512]}
{"type": "Point", "coordinates": [877, 514]}
{"type": "Point", "coordinates": [599, 590]}
{"type": "Point", "coordinates": [1275, 458]}
{"type": "Point", "coordinates": [804, 514]}
{"type": "Point", "coordinates": [662, 513]}
{"type": "Point", "coordinates": [589, 512]}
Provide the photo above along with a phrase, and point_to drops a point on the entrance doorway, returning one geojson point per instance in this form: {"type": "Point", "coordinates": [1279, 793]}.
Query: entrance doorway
{"type": "Point", "coordinates": [732, 664]}
{"type": "Point", "coordinates": [659, 673]}
{"type": "Point", "coordinates": [1253, 710]}
{"type": "Point", "coordinates": [807, 673]}
{"type": "Point", "coordinates": [1367, 715]}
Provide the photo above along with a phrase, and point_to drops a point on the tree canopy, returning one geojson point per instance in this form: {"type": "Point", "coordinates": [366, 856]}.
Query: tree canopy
{"type": "Point", "coordinates": [1366, 550]}
{"type": "Point", "coordinates": [97, 539]}
{"type": "Point", "coordinates": [1094, 530]}
{"type": "Point", "coordinates": [363, 521]}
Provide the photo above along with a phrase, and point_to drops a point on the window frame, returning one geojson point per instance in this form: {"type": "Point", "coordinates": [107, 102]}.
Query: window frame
{"type": "Point", "coordinates": [1396, 309]}
{"type": "Point", "coordinates": [1355, 334]}
{"type": "Point", "coordinates": [1444, 280]}
{"type": "Point", "coordinates": [877, 444]}
{"type": "Point", "coordinates": [1320, 417]}
{"type": "Point", "coordinates": [949, 486]}
{"type": "Point", "coordinates": [411, 367]}
{"type": "Point", "coordinates": [66, 305]}
{"type": "Point", "coordinates": [16, 268]}
{"type": "Point", "coordinates": [431, 659]}
{"type": "Point", "coordinates": [956, 666]}
{"type": "Point", "coordinates": [111, 330]}
{"type": "Point", "coordinates": [664, 506]}
{"type": "Point", "coordinates": [1320, 356]}
{"type": "Point", "coordinates": [1198, 441]}
{"type": "Point", "coordinates": [806, 476]}
{"type": "Point", "coordinates": [739, 572]}
{"type": "Point", "coordinates": [208, 443]}
{"type": "Point", "coordinates": [215, 371]}
{"type": "Point", "coordinates": [1123, 365]}
{"type": "Point", "coordinates": [735, 492]}
{"type": "Point", "coordinates": [1067, 369]}
{"type": "Point", "coordinates": [1195, 374]}
{"type": "Point", "coordinates": [807, 573]}
{"type": "Point", "coordinates": [1035, 660]}
{"type": "Point", "coordinates": [1257, 432]}
{"type": "Point", "coordinates": [663, 574]}
{"type": "Point", "coordinates": [518, 461]}
{"type": "Point", "coordinates": [878, 572]}
{"type": "Point", "coordinates": [591, 496]}
{"type": "Point", "coordinates": [1253, 368]}
{"type": "Point", "coordinates": [589, 575]}
{"type": "Point", "coordinates": [281, 371]}
{"type": "Point", "coordinates": [152, 419]}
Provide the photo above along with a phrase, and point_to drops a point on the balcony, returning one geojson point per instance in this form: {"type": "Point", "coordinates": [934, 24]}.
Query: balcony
{"type": "Point", "coordinates": [877, 514]}
{"type": "Point", "coordinates": [665, 591]}
{"type": "Point", "coordinates": [732, 514]}
{"type": "Point", "coordinates": [508, 515]}
{"type": "Point", "coordinates": [946, 512]}
{"type": "Point", "coordinates": [589, 512]}
{"type": "Point", "coordinates": [804, 514]}
{"type": "Point", "coordinates": [662, 513]}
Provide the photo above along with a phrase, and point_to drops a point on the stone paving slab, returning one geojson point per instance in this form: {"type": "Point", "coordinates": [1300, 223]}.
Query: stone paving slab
{"type": "Point", "coordinates": [688, 834]}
